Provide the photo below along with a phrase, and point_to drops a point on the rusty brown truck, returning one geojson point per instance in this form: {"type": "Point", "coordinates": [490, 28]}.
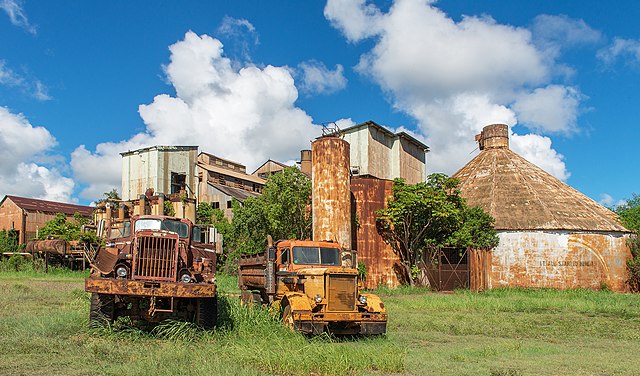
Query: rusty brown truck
{"type": "Point", "coordinates": [152, 268]}
{"type": "Point", "coordinates": [314, 292]}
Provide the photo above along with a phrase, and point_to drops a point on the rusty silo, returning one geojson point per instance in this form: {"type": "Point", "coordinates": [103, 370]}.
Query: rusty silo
{"type": "Point", "coordinates": [331, 190]}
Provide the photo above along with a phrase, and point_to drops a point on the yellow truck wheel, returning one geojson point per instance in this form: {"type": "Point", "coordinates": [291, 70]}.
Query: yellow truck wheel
{"type": "Point", "coordinates": [287, 317]}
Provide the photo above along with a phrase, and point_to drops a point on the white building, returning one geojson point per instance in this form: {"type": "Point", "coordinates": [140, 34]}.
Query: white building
{"type": "Point", "coordinates": [165, 169]}
{"type": "Point", "coordinates": [377, 152]}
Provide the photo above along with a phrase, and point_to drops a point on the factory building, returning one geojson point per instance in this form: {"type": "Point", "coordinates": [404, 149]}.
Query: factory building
{"type": "Point", "coordinates": [27, 215]}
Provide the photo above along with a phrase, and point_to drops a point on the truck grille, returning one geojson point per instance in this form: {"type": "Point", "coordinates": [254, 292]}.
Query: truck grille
{"type": "Point", "coordinates": [155, 257]}
{"type": "Point", "coordinates": [342, 292]}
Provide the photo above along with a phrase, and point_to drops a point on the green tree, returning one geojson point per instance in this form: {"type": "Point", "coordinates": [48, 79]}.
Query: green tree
{"type": "Point", "coordinates": [110, 196]}
{"type": "Point", "coordinates": [282, 211]}
{"type": "Point", "coordinates": [629, 215]}
{"type": "Point", "coordinates": [421, 218]}
{"type": "Point", "coordinates": [63, 228]}
{"type": "Point", "coordinates": [9, 241]}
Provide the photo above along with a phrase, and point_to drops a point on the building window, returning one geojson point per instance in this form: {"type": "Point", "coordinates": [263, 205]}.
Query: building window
{"type": "Point", "coordinates": [178, 182]}
{"type": "Point", "coordinates": [215, 205]}
{"type": "Point", "coordinates": [229, 204]}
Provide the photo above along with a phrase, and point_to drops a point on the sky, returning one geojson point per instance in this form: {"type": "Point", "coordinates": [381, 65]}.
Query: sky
{"type": "Point", "coordinates": [81, 82]}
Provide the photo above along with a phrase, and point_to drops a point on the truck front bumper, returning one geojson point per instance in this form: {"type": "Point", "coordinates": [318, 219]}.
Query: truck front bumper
{"type": "Point", "coordinates": [340, 322]}
{"type": "Point", "coordinates": [149, 288]}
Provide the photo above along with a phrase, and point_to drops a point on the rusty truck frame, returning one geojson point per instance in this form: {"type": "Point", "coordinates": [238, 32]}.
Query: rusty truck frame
{"type": "Point", "coordinates": [315, 293]}
{"type": "Point", "coordinates": [151, 268]}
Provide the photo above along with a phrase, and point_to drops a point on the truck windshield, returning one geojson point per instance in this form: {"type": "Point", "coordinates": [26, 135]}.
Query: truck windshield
{"type": "Point", "coordinates": [180, 228]}
{"type": "Point", "coordinates": [316, 256]}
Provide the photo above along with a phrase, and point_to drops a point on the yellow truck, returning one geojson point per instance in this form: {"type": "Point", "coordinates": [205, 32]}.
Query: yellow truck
{"type": "Point", "coordinates": [314, 286]}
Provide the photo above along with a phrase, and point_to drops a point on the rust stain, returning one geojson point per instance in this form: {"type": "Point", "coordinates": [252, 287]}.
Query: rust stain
{"type": "Point", "coordinates": [560, 260]}
{"type": "Point", "coordinates": [331, 195]}
{"type": "Point", "coordinates": [370, 195]}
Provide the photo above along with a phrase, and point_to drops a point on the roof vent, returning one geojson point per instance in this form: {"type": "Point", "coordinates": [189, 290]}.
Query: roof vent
{"type": "Point", "coordinates": [494, 136]}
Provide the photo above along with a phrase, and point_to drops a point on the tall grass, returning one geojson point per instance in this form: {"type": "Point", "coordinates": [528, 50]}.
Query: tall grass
{"type": "Point", "coordinates": [44, 330]}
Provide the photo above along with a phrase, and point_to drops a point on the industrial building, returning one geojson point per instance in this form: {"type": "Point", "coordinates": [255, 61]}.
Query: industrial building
{"type": "Point", "coordinates": [550, 234]}
{"type": "Point", "coordinates": [222, 181]}
{"type": "Point", "coordinates": [377, 152]}
{"type": "Point", "coordinates": [27, 215]}
{"type": "Point", "coordinates": [165, 169]}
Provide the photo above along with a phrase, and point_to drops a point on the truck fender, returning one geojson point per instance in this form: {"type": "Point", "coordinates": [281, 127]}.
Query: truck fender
{"type": "Point", "coordinates": [297, 301]}
{"type": "Point", "coordinates": [374, 303]}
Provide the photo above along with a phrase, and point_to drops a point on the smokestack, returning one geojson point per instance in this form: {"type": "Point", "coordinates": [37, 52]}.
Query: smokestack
{"type": "Point", "coordinates": [494, 136]}
{"type": "Point", "coordinates": [305, 162]}
{"type": "Point", "coordinates": [121, 212]}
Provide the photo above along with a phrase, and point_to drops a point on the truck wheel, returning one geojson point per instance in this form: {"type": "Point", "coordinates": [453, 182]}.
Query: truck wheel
{"type": "Point", "coordinates": [102, 306]}
{"type": "Point", "coordinates": [287, 316]}
{"type": "Point", "coordinates": [207, 312]}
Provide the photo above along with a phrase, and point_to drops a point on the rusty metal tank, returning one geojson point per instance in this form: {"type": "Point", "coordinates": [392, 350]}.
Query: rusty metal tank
{"type": "Point", "coordinates": [331, 195]}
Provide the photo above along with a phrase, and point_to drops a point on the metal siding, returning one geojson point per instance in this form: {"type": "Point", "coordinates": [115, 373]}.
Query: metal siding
{"type": "Point", "coordinates": [370, 195]}
{"type": "Point", "coordinates": [560, 260]}
{"type": "Point", "coordinates": [331, 195]}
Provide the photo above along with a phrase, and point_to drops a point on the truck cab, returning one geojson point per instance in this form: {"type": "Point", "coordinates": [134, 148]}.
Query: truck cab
{"type": "Point", "coordinates": [315, 287]}
{"type": "Point", "coordinates": [153, 267]}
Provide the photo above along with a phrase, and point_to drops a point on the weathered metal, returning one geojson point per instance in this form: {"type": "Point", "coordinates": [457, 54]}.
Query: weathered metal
{"type": "Point", "coordinates": [155, 256]}
{"type": "Point", "coordinates": [560, 260]}
{"type": "Point", "coordinates": [147, 288]}
{"type": "Point", "coordinates": [550, 234]}
{"type": "Point", "coordinates": [370, 195]}
{"type": "Point", "coordinates": [51, 246]}
{"type": "Point", "coordinates": [315, 293]}
{"type": "Point", "coordinates": [331, 197]}
{"type": "Point", "coordinates": [155, 270]}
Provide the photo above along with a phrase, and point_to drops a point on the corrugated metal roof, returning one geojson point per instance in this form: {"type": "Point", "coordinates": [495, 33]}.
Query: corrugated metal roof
{"type": "Point", "coordinates": [237, 193]}
{"type": "Point", "coordinates": [521, 196]}
{"type": "Point", "coordinates": [235, 174]}
{"type": "Point", "coordinates": [33, 204]}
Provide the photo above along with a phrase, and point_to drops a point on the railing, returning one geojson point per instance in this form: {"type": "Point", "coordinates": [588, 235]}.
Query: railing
{"type": "Point", "coordinates": [155, 257]}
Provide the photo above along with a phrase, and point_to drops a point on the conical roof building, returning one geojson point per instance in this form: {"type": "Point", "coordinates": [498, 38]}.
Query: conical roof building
{"type": "Point", "coordinates": [551, 235]}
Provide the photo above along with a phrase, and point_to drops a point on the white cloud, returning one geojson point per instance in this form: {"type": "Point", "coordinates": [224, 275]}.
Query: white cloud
{"type": "Point", "coordinates": [608, 201]}
{"type": "Point", "coordinates": [563, 31]}
{"type": "Point", "coordinates": [316, 78]}
{"type": "Point", "coordinates": [621, 49]}
{"type": "Point", "coordinates": [456, 77]}
{"type": "Point", "coordinates": [30, 86]}
{"type": "Point", "coordinates": [245, 114]}
{"type": "Point", "coordinates": [538, 150]}
{"type": "Point", "coordinates": [241, 33]}
{"type": "Point", "coordinates": [362, 21]}
{"type": "Point", "coordinates": [21, 144]}
{"type": "Point", "coordinates": [552, 109]}
{"type": "Point", "coordinates": [16, 14]}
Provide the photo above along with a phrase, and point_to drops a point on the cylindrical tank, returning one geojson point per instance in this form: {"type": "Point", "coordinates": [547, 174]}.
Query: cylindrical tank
{"type": "Point", "coordinates": [305, 162]}
{"type": "Point", "coordinates": [494, 136]}
{"type": "Point", "coordinates": [331, 197]}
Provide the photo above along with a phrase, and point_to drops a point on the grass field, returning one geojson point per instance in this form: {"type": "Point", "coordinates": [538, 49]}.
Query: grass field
{"type": "Point", "coordinates": [44, 330]}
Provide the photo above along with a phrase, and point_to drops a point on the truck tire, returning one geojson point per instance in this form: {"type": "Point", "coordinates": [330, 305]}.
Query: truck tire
{"type": "Point", "coordinates": [102, 307]}
{"type": "Point", "coordinates": [287, 316]}
{"type": "Point", "coordinates": [207, 312]}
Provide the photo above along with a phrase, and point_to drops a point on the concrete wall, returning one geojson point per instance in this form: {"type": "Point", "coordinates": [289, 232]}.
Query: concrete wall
{"type": "Point", "coordinates": [559, 259]}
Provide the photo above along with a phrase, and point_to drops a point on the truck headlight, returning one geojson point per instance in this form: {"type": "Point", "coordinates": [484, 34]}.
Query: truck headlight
{"type": "Point", "coordinates": [362, 299]}
{"type": "Point", "coordinates": [121, 271]}
{"type": "Point", "coordinates": [186, 278]}
{"type": "Point", "coordinates": [317, 298]}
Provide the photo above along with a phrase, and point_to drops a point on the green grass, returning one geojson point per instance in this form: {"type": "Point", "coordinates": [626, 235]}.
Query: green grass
{"type": "Point", "coordinates": [44, 330]}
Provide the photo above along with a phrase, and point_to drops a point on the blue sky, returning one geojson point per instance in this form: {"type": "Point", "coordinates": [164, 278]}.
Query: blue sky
{"type": "Point", "coordinates": [82, 81]}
